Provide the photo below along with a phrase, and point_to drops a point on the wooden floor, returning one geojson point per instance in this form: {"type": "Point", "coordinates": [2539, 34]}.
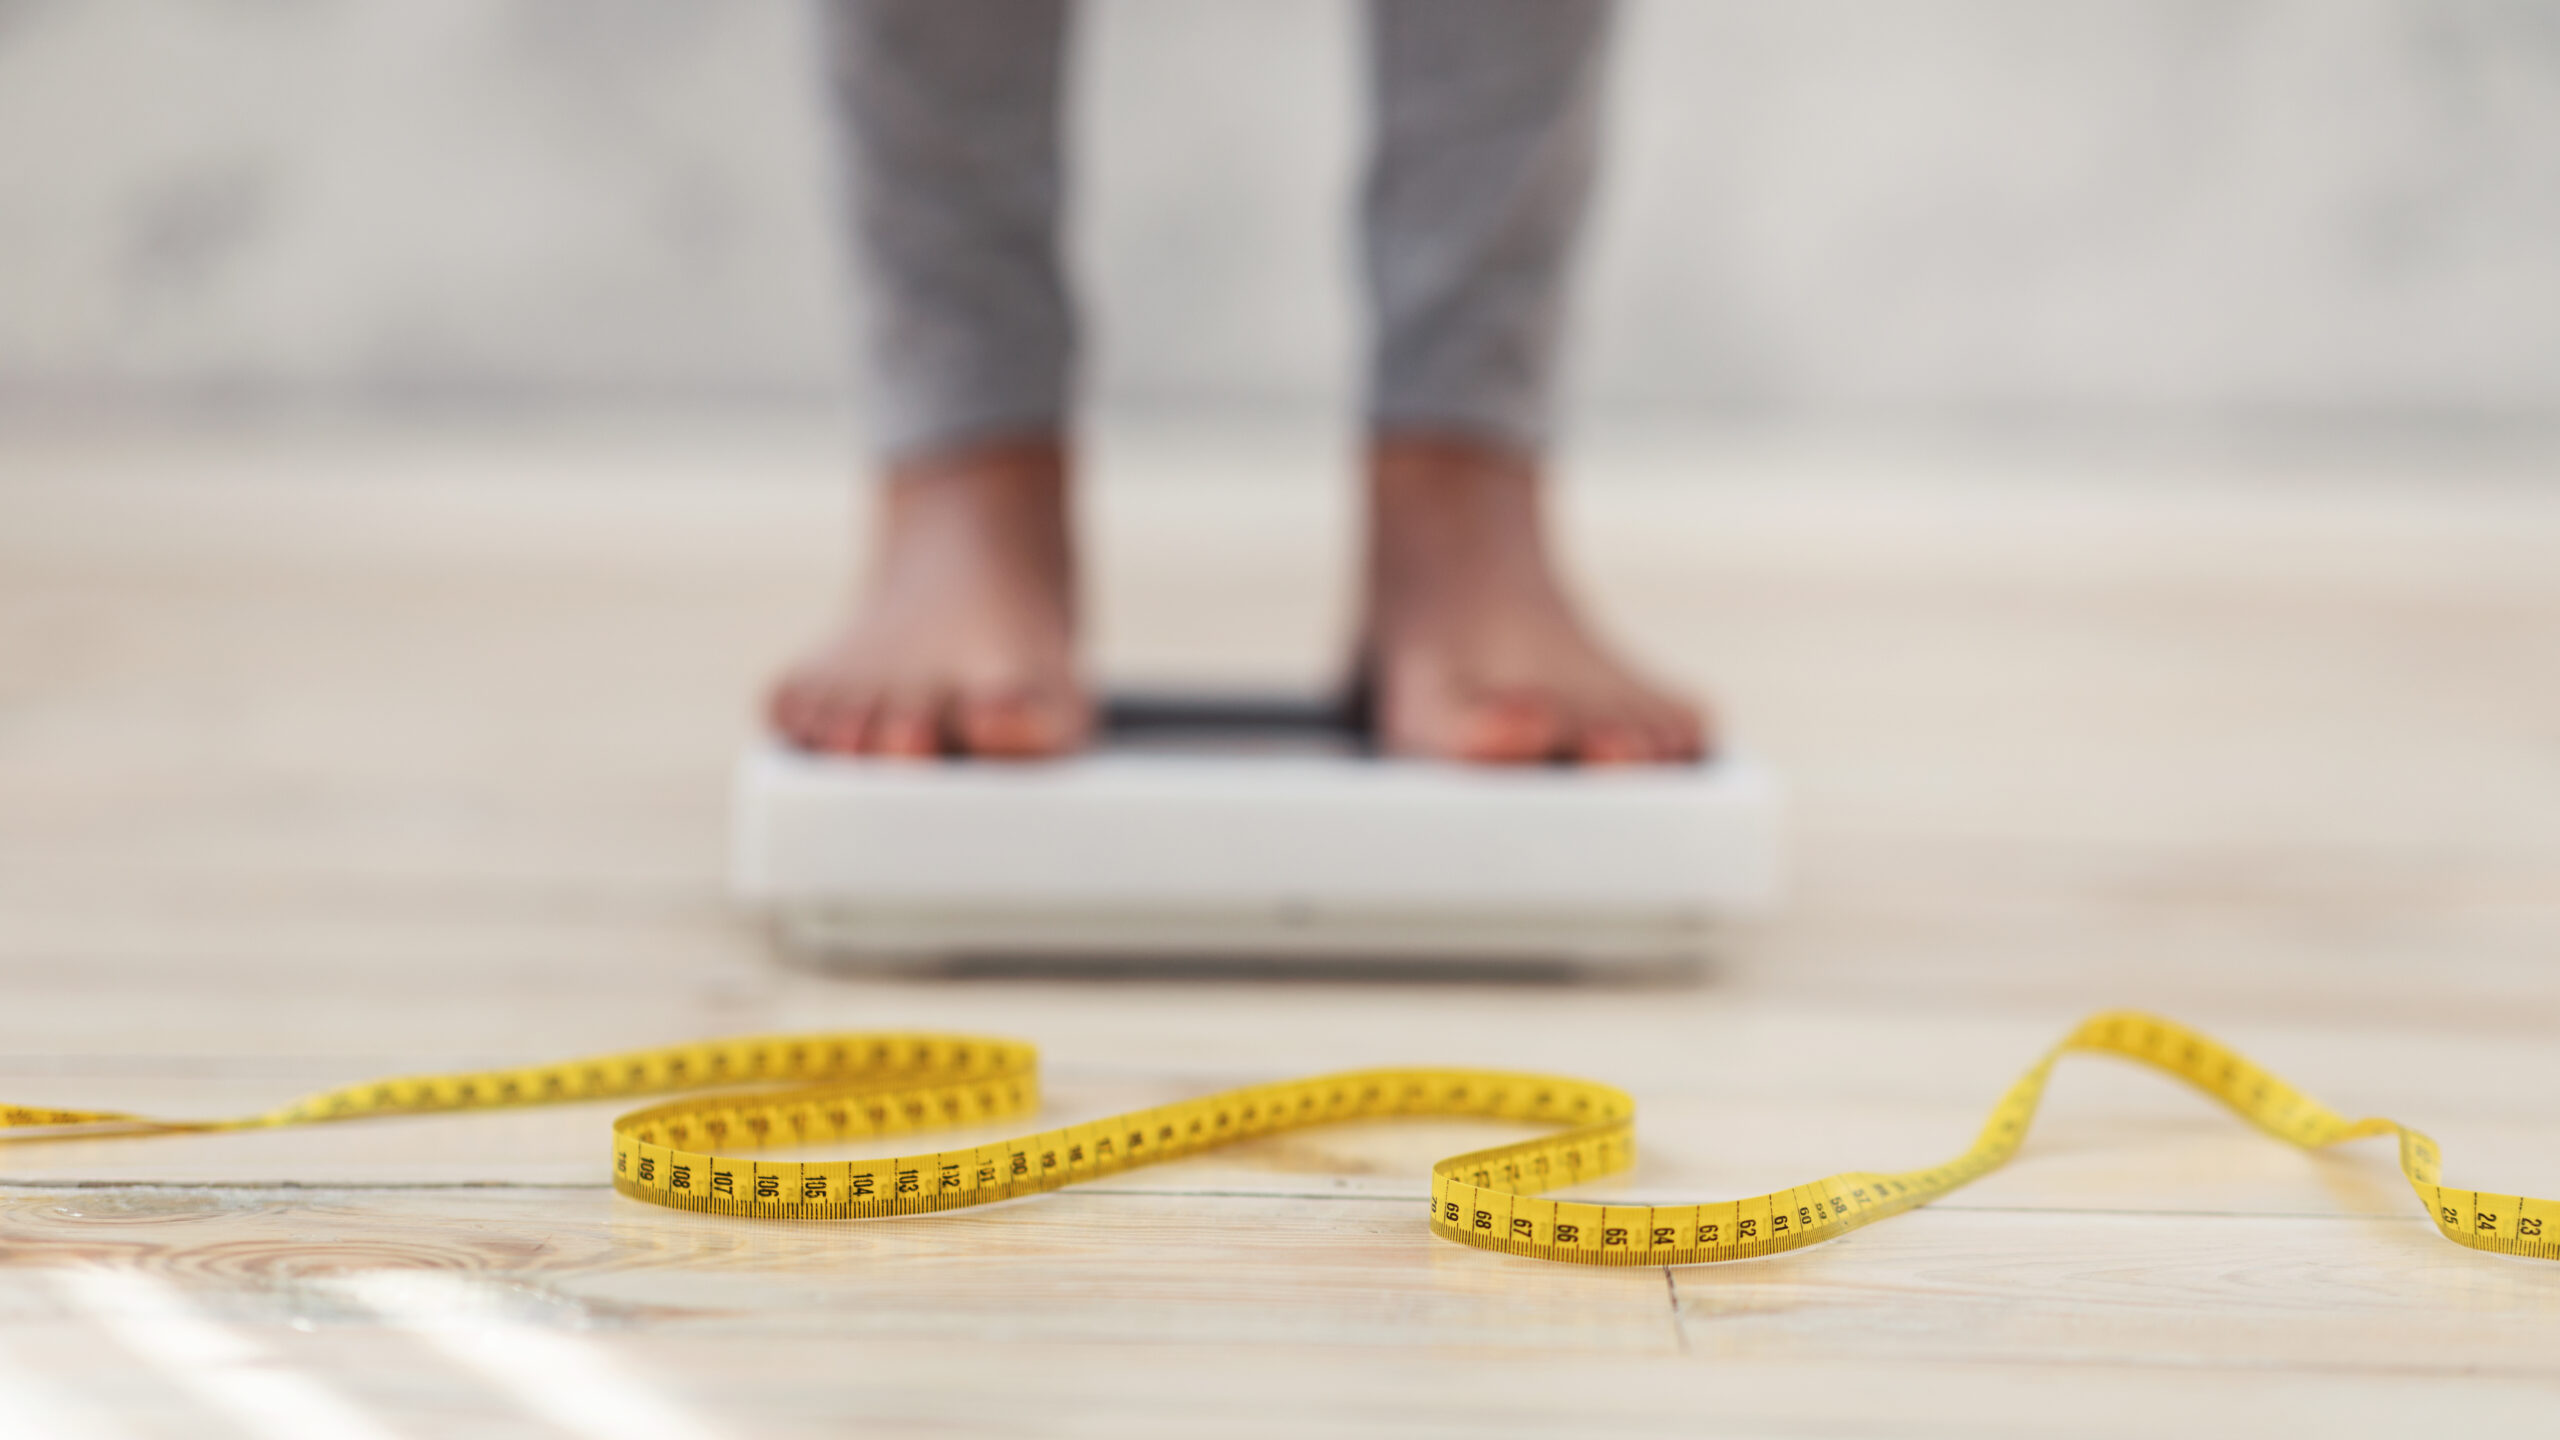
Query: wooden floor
{"type": "Point", "coordinates": [334, 753]}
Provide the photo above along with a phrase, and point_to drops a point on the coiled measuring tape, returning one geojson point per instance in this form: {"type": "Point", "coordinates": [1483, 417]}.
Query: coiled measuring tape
{"type": "Point", "coordinates": [795, 1090]}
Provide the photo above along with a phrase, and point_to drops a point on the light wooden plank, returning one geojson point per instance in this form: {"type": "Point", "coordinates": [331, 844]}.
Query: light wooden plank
{"type": "Point", "coordinates": [322, 755]}
{"type": "Point", "coordinates": [2273, 1292]}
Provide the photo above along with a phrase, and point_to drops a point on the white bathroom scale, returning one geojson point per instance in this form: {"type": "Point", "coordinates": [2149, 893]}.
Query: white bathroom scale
{"type": "Point", "coordinates": [1206, 829]}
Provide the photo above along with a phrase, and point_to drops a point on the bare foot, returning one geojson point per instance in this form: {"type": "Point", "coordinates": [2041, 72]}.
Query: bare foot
{"type": "Point", "coordinates": [1475, 652]}
{"type": "Point", "coordinates": [965, 641]}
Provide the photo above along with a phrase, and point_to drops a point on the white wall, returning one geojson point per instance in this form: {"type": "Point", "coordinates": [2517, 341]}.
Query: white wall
{"type": "Point", "coordinates": [1828, 207]}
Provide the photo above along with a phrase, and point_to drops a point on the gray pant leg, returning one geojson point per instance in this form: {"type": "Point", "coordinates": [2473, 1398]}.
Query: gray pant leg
{"type": "Point", "coordinates": [950, 120]}
{"type": "Point", "coordinates": [1487, 139]}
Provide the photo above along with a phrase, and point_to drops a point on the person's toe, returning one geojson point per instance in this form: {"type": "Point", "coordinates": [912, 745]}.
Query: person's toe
{"type": "Point", "coordinates": [1432, 716]}
{"type": "Point", "coordinates": [840, 726]}
{"type": "Point", "coordinates": [807, 716]}
{"type": "Point", "coordinates": [1504, 729]}
{"type": "Point", "coordinates": [1017, 724]}
{"type": "Point", "coordinates": [1680, 731]}
{"type": "Point", "coordinates": [787, 712]}
{"type": "Point", "coordinates": [1614, 740]}
{"type": "Point", "coordinates": [902, 728]}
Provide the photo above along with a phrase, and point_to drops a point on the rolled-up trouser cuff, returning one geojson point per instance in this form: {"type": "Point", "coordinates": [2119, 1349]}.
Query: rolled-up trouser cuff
{"type": "Point", "coordinates": [900, 429]}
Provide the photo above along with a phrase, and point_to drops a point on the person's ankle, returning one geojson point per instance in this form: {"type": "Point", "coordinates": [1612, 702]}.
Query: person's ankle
{"type": "Point", "coordinates": [1438, 501]}
{"type": "Point", "coordinates": [1025, 474]}
{"type": "Point", "coordinates": [1011, 495]}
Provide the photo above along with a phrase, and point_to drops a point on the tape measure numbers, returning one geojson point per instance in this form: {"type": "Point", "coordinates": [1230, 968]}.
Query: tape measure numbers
{"type": "Point", "coordinates": [793, 1090]}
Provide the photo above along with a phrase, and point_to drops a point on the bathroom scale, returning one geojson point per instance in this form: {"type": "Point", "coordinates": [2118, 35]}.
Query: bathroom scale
{"type": "Point", "coordinates": [1209, 828]}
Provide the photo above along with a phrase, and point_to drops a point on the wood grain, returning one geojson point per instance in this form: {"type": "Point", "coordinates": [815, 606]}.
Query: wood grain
{"type": "Point", "coordinates": [323, 756]}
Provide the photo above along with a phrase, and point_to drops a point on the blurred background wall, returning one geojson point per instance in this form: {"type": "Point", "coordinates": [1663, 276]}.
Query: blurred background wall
{"type": "Point", "coordinates": [2126, 210]}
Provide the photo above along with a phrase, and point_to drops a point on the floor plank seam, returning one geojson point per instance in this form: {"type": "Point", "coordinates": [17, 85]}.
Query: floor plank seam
{"type": "Point", "coordinates": [1671, 1288]}
{"type": "Point", "coordinates": [392, 1187]}
{"type": "Point", "coordinates": [2250, 1365]}
{"type": "Point", "coordinates": [2391, 1215]}
{"type": "Point", "coordinates": [315, 1187]}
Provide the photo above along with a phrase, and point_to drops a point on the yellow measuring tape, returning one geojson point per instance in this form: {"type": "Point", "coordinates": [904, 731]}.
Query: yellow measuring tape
{"type": "Point", "coordinates": [793, 1090]}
